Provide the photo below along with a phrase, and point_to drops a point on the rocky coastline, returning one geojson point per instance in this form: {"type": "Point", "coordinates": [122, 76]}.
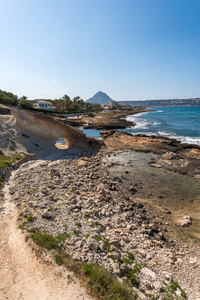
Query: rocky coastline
{"type": "Point", "coordinates": [101, 221]}
{"type": "Point", "coordinates": [104, 121]}
{"type": "Point", "coordinates": [97, 218]}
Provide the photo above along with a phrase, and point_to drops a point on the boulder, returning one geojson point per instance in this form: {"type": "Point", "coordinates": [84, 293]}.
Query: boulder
{"type": "Point", "coordinates": [186, 221]}
{"type": "Point", "coordinates": [93, 244]}
{"type": "Point", "coordinates": [148, 272]}
{"type": "Point", "coordinates": [116, 269]}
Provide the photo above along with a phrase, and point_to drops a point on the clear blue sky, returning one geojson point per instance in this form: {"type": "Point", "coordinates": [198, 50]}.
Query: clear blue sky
{"type": "Point", "coordinates": [129, 49]}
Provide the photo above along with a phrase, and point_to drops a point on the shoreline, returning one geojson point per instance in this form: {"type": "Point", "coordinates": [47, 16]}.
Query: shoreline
{"type": "Point", "coordinates": [105, 120]}
{"type": "Point", "coordinates": [100, 217]}
{"type": "Point", "coordinates": [165, 123]}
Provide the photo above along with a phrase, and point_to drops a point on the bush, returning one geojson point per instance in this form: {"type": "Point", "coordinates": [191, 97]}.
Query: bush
{"type": "Point", "coordinates": [23, 103]}
{"type": "Point", "coordinates": [58, 258]}
{"type": "Point", "coordinates": [91, 115]}
{"type": "Point", "coordinates": [45, 240]}
{"type": "Point", "coordinates": [8, 98]}
{"type": "Point", "coordinates": [103, 284]}
{"type": "Point", "coordinates": [6, 161]}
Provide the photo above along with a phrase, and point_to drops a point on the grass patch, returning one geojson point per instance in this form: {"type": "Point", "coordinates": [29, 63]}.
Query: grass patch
{"type": "Point", "coordinates": [76, 233]}
{"type": "Point", "coordinates": [56, 199]}
{"type": "Point", "coordinates": [104, 285]}
{"type": "Point", "coordinates": [30, 218]}
{"type": "Point", "coordinates": [95, 224]}
{"type": "Point", "coordinates": [139, 266]}
{"type": "Point", "coordinates": [129, 259]}
{"type": "Point", "coordinates": [44, 240]}
{"type": "Point", "coordinates": [89, 115]}
{"type": "Point", "coordinates": [51, 208]}
{"type": "Point", "coordinates": [62, 237]}
{"type": "Point", "coordinates": [170, 290]}
{"type": "Point", "coordinates": [2, 179]}
{"type": "Point", "coordinates": [58, 258]}
{"type": "Point", "coordinates": [106, 242]}
{"type": "Point", "coordinates": [6, 161]}
{"type": "Point", "coordinates": [98, 280]}
{"type": "Point", "coordinates": [23, 226]}
{"type": "Point", "coordinates": [131, 275]}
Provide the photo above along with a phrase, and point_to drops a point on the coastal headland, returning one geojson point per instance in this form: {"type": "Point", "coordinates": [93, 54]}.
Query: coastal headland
{"type": "Point", "coordinates": [98, 209]}
{"type": "Point", "coordinates": [106, 120]}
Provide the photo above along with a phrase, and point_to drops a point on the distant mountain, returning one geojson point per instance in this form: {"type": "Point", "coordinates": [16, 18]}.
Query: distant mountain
{"type": "Point", "coordinates": [167, 102]}
{"type": "Point", "coordinates": [100, 98]}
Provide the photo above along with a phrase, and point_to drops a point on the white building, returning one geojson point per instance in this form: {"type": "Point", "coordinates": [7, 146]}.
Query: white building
{"type": "Point", "coordinates": [43, 105]}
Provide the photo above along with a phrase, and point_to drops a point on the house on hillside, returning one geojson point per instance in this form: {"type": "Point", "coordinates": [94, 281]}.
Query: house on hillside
{"type": "Point", "coordinates": [42, 104]}
{"type": "Point", "coordinates": [109, 105]}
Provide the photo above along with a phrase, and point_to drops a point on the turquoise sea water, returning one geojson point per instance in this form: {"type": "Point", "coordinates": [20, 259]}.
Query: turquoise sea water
{"type": "Point", "coordinates": [181, 123]}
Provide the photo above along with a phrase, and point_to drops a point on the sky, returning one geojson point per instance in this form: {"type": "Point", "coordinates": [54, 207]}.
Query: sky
{"type": "Point", "coordinates": [129, 49]}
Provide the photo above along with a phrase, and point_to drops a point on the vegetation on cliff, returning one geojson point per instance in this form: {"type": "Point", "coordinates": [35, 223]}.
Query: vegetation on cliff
{"type": "Point", "coordinates": [63, 105]}
{"type": "Point", "coordinates": [8, 98]}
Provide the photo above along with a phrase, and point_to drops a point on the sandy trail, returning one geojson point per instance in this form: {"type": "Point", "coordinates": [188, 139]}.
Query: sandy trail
{"type": "Point", "coordinates": [22, 274]}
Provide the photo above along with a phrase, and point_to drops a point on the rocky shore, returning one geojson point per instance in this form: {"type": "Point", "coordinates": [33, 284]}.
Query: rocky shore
{"type": "Point", "coordinates": [94, 214]}
{"type": "Point", "coordinates": [104, 121]}
{"type": "Point", "coordinates": [99, 220]}
{"type": "Point", "coordinates": [172, 154]}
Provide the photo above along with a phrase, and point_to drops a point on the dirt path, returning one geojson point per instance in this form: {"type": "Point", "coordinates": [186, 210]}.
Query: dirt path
{"type": "Point", "coordinates": [22, 274]}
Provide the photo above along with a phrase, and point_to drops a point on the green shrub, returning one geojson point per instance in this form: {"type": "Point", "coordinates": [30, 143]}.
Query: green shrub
{"type": "Point", "coordinates": [131, 275]}
{"type": "Point", "coordinates": [129, 259]}
{"type": "Point", "coordinates": [103, 284]}
{"type": "Point", "coordinates": [58, 258]}
{"type": "Point", "coordinates": [23, 103]}
{"type": "Point", "coordinates": [30, 218]}
{"type": "Point", "coordinates": [62, 237]}
{"type": "Point", "coordinates": [106, 242]}
{"type": "Point", "coordinates": [170, 290]}
{"type": "Point", "coordinates": [45, 240]}
{"type": "Point", "coordinates": [91, 115]}
{"type": "Point", "coordinates": [6, 161]}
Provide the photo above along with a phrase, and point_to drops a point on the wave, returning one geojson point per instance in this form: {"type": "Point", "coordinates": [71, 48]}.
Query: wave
{"type": "Point", "coordinates": [182, 139]}
{"type": "Point", "coordinates": [172, 135]}
{"type": "Point", "coordinates": [140, 122]}
{"type": "Point", "coordinates": [133, 118]}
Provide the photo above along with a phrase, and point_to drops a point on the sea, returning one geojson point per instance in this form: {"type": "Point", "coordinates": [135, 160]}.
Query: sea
{"type": "Point", "coordinates": [181, 123]}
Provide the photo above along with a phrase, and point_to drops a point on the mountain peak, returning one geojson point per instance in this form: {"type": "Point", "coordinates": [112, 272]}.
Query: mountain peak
{"type": "Point", "coordinates": [100, 98]}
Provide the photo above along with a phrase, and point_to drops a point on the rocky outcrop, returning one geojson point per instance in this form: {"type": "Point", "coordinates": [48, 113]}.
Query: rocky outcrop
{"type": "Point", "coordinates": [48, 129]}
{"type": "Point", "coordinates": [172, 155]}
{"type": "Point", "coordinates": [4, 110]}
{"type": "Point", "coordinates": [108, 120]}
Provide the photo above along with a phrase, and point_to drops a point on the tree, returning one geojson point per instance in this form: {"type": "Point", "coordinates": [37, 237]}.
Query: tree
{"type": "Point", "coordinates": [87, 106]}
{"type": "Point", "coordinates": [68, 101]}
{"type": "Point", "coordinates": [78, 103]}
{"type": "Point", "coordinates": [8, 98]}
{"type": "Point", "coordinates": [96, 107]}
{"type": "Point", "coordinates": [23, 98]}
{"type": "Point", "coordinates": [60, 105]}
{"type": "Point", "coordinates": [24, 103]}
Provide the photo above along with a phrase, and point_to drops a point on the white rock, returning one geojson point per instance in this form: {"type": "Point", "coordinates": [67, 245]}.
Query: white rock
{"type": "Point", "coordinates": [148, 272]}
{"type": "Point", "coordinates": [116, 269]}
{"type": "Point", "coordinates": [185, 221]}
